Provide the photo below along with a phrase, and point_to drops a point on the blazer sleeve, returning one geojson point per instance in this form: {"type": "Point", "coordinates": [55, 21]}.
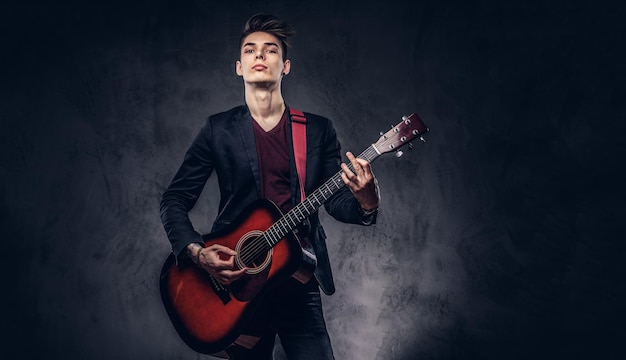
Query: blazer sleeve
{"type": "Point", "coordinates": [183, 192]}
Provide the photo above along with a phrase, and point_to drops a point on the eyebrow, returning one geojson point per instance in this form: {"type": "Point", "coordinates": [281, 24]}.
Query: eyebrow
{"type": "Point", "coordinates": [252, 44]}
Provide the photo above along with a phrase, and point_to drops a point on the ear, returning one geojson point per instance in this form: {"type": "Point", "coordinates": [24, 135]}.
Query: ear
{"type": "Point", "coordinates": [238, 69]}
{"type": "Point", "coordinates": [286, 67]}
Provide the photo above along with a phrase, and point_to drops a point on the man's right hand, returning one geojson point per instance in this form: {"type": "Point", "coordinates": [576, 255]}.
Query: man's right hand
{"type": "Point", "coordinates": [212, 260]}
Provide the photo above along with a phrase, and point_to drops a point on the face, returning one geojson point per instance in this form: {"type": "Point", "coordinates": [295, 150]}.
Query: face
{"type": "Point", "coordinates": [261, 59]}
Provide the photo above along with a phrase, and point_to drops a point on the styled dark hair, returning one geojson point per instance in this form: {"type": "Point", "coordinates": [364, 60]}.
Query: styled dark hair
{"type": "Point", "coordinates": [270, 24]}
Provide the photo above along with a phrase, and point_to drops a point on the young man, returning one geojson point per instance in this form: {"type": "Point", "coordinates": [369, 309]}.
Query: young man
{"type": "Point", "coordinates": [250, 149]}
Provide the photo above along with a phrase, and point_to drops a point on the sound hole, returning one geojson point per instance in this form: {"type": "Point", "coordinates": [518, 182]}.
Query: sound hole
{"type": "Point", "coordinates": [252, 253]}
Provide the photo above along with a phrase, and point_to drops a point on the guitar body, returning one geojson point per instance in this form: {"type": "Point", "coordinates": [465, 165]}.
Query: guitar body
{"type": "Point", "coordinates": [209, 316]}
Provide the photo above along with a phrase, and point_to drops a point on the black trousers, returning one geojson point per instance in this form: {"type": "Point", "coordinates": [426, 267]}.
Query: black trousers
{"type": "Point", "coordinates": [293, 311]}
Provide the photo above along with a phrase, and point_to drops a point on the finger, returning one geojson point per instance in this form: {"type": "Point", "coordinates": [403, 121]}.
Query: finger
{"type": "Point", "coordinates": [347, 172]}
{"type": "Point", "coordinates": [224, 280]}
{"type": "Point", "coordinates": [228, 276]}
{"type": "Point", "coordinates": [365, 165]}
{"type": "Point", "coordinates": [351, 184]}
{"type": "Point", "coordinates": [212, 262]}
{"type": "Point", "coordinates": [353, 160]}
{"type": "Point", "coordinates": [222, 249]}
{"type": "Point", "coordinates": [225, 264]}
{"type": "Point", "coordinates": [237, 274]}
{"type": "Point", "coordinates": [347, 176]}
{"type": "Point", "coordinates": [215, 258]}
{"type": "Point", "coordinates": [219, 267]}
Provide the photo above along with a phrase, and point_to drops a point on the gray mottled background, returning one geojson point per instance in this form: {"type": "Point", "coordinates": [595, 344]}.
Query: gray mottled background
{"type": "Point", "coordinates": [499, 238]}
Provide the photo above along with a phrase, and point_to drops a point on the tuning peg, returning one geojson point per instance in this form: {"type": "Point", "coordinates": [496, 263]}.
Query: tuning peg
{"type": "Point", "coordinates": [422, 139]}
{"type": "Point", "coordinates": [410, 145]}
{"type": "Point", "coordinates": [399, 153]}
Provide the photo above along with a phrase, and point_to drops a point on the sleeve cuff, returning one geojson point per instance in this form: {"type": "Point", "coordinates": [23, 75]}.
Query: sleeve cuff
{"type": "Point", "coordinates": [368, 217]}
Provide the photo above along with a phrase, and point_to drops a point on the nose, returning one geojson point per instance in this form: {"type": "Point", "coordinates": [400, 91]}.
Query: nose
{"type": "Point", "coordinates": [259, 55]}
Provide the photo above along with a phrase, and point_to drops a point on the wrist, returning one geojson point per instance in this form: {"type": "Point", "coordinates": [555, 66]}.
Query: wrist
{"type": "Point", "coordinates": [196, 258]}
{"type": "Point", "coordinates": [367, 212]}
{"type": "Point", "coordinates": [193, 251]}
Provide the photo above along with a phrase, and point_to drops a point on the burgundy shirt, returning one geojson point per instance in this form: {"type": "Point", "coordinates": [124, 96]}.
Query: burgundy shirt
{"type": "Point", "coordinates": [273, 153]}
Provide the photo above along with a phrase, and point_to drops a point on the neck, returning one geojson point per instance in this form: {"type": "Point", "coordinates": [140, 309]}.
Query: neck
{"type": "Point", "coordinates": [266, 105]}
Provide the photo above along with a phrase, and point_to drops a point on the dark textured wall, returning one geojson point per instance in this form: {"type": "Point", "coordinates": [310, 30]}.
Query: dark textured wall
{"type": "Point", "coordinates": [498, 238]}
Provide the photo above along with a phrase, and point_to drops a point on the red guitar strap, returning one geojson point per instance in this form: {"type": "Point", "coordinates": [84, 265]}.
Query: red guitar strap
{"type": "Point", "coordinates": [298, 132]}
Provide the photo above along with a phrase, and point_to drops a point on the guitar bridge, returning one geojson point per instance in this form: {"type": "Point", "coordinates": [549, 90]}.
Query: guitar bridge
{"type": "Point", "coordinates": [220, 290]}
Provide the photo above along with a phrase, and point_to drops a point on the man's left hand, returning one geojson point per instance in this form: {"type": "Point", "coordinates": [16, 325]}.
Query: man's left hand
{"type": "Point", "coordinates": [361, 182]}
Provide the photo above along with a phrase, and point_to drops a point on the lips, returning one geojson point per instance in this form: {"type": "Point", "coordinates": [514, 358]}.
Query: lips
{"type": "Point", "coordinates": [259, 67]}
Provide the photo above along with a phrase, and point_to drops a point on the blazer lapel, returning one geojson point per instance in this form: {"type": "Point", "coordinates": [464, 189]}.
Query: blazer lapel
{"type": "Point", "coordinates": [244, 124]}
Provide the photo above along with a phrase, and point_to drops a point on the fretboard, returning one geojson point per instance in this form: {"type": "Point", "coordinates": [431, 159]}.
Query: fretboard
{"type": "Point", "coordinates": [296, 216]}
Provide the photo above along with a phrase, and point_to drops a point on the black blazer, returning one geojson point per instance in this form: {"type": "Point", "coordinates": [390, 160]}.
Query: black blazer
{"type": "Point", "coordinates": [226, 145]}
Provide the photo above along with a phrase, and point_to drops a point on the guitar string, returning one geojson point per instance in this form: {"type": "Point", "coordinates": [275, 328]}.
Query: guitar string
{"type": "Point", "coordinates": [274, 233]}
{"type": "Point", "coordinates": [258, 244]}
{"type": "Point", "coordinates": [287, 223]}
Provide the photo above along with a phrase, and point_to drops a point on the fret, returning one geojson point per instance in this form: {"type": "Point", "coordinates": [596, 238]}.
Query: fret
{"type": "Point", "coordinates": [328, 188]}
{"type": "Point", "coordinates": [272, 233]}
{"type": "Point", "coordinates": [289, 220]}
{"type": "Point", "coordinates": [282, 227]}
{"type": "Point", "coordinates": [306, 206]}
{"type": "Point", "coordinates": [315, 196]}
{"type": "Point", "coordinates": [298, 208]}
{"type": "Point", "coordinates": [291, 215]}
{"type": "Point", "coordinates": [266, 240]}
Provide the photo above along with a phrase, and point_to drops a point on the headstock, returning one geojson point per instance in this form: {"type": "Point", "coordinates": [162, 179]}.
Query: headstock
{"type": "Point", "coordinates": [408, 129]}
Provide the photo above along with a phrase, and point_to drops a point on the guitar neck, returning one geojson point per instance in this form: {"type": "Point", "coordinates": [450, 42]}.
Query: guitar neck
{"type": "Point", "coordinates": [312, 203]}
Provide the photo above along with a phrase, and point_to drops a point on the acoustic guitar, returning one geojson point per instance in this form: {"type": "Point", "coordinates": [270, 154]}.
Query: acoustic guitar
{"type": "Point", "coordinates": [210, 316]}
